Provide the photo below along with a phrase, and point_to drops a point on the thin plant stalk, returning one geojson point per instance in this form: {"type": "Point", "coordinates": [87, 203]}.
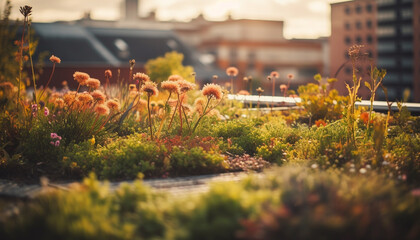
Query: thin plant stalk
{"type": "Point", "coordinates": [164, 117]}
{"type": "Point", "coordinates": [49, 80]}
{"type": "Point", "coordinates": [32, 64]}
{"type": "Point", "coordinates": [150, 116]}
{"type": "Point", "coordinates": [180, 115]}
{"type": "Point", "coordinates": [204, 113]}
{"type": "Point", "coordinates": [21, 60]}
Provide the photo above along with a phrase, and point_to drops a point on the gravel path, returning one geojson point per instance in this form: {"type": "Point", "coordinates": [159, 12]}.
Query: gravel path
{"type": "Point", "coordinates": [175, 186]}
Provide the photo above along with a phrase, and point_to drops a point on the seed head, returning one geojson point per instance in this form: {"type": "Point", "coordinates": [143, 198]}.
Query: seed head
{"type": "Point", "coordinates": [150, 88]}
{"type": "Point", "coordinates": [232, 71]}
{"type": "Point", "coordinates": [212, 90]}
{"type": "Point", "coordinates": [26, 11]}
{"type": "Point", "coordinates": [55, 59]}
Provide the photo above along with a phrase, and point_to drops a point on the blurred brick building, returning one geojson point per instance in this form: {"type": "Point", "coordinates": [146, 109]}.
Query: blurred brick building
{"type": "Point", "coordinates": [256, 47]}
{"type": "Point", "coordinates": [352, 22]}
{"type": "Point", "coordinates": [390, 31]}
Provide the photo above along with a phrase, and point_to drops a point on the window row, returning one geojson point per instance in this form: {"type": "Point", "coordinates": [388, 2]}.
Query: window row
{"type": "Point", "coordinates": [359, 25]}
{"type": "Point", "coordinates": [358, 9]}
{"type": "Point", "coordinates": [358, 40]}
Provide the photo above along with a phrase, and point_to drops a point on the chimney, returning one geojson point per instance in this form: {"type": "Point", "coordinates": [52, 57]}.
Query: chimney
{"type": "Point", "coordinates": [129, 9]}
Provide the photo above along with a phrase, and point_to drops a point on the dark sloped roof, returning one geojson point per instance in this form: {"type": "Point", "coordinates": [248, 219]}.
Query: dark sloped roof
{"type": "Point", "coordinates": [142, 44]}
{"type": "Point", "coordinates": [80, 45]}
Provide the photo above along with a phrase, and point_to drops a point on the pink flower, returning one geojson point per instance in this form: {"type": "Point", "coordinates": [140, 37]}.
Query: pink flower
{"type": "Point", "coordinates": [54, 135]}
{"type": "Point", "coordinates": [57, 143]}
{"type": "Point", "coordinates": [46, 111]}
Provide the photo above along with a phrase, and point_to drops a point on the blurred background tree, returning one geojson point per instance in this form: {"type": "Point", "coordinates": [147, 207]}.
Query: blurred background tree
{"type": "Point", "coordinates": [161, 68]}
{"type": "Point", "coordinates": [9, 68]}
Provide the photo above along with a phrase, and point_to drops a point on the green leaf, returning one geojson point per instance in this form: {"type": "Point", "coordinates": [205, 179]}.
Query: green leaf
{"type": "Point", "coordinates": [125, 114]}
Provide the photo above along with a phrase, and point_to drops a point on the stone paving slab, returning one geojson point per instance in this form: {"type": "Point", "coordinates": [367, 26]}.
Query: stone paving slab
{"type": "Point", "coordinates": [175, 186]}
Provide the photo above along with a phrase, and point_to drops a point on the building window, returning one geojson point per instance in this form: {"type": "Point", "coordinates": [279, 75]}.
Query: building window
{"type": "Point", "coordinates": [358, 9]}
{"type": "Point", "coordinates": [369, 8]}
{"type": "Point", "coordinates": [369, 24]}
{"type": "Point", "coordinates": [347, 26]}
{"type": "Point", "coordinates": [347, 10]}
{"type": "Point", "coordinates": [359, 40]}
{"type": "Point", "coordinates": [386, 15]}
{"type": "Point", "coordinates": [386, 31]}
{"type": "Point", "coordinates": [358, 25]}
{"type": "Point", "coordinates": [347, 40]}
{"type": "Point", "coordinates": [369, 39]}
{"type": "Point", "coordinates": [370, 53]}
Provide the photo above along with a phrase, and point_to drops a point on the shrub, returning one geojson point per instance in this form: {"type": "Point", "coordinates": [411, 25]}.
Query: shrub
{"type": "Point", "coordinates": [195, 161]}
{"type": "Point", "coordinates": [244, 134]}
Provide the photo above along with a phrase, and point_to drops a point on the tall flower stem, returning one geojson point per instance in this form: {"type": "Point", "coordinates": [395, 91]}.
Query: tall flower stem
{"type": "Point", "coordinates": [274, 90]}
{"type": "Point", "coordinates": [173, 115]}
{"type": "Point", "coordinates": [21, 61]}
{"type": "Point", "coordinates": [204, 113]}
{"type": "Point", "coordinates": [32, 64]}
{"type": "Point", "coordinates": [150, 116]}
{"type": "Point", "coordinates": [180, 116]}
{"type": "Point", "coordinates": [49, 80]}
{"type": "Point", "coordinates": [164, 117]}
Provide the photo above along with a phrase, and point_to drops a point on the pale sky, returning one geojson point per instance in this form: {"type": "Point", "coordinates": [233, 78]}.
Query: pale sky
{"type": "Point", "coordinates": [303, 18]}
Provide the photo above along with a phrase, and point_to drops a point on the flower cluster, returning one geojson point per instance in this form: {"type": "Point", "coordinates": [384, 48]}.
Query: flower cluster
{"type": "Point", "coordinates": [55, 139]}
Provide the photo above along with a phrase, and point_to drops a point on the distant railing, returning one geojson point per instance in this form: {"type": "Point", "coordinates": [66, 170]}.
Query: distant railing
{"type": "Point", "coordinates": [291, 102]}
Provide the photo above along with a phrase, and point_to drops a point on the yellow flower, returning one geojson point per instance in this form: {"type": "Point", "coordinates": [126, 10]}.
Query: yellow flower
{"type": "Point", "coordinates": [92, 140]}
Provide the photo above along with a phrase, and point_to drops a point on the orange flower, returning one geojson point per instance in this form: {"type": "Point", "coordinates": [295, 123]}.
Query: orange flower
{"type": "Point", "coordinates": [93, 83]}
{"type": "Point", "coordinates": [141, 78]}
{"type": "Point", "coordinates": [171, 86]}
{"type": "Point", "coordinates": [290, 76]}
{"type": "Point", "coordinates": [113, 105]}
{"type": "Point", "coordinates": [98, 96]}
{"type": "Point", "coordinates": [175, 78]}
{"type": "Point", "coordinates": [212, 90]}
{"type": "Point", "coordinates": [283, 87]}
{"type": "Point", "coordinates": [232, 71]}
{"type": "Point", "coordinates": [55, 59]}
{"type": "Point", "coordinates": [365, 117]}
{"type": "Point", "coordinates": [59, 102]}
{"type": "Point", "coordinates": [84, 97]}
{"type": "Point", "coordinates": [243, 92]}
{"type": "Point", "coordinates": [108, 73]}
{"type": "Point", "coordinates": [185, 86]}
{"type": "Point", "coordinates": [81, 77]}
{"type": "Point", "coordinates": [69, 97]}
{"type": "Point", "coordinates": [274, 74]}
{"type": "Point", "coordinates": [320, 122]}
{"type": "Point", "coordinates": [150, 88]}
{"type": "Point", "coordinates": [260, 90]}
{"type": "Point", "coordinates": [102, 109]}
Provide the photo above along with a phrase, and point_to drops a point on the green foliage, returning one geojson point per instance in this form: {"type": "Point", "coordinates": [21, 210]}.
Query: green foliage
{"type": "Point", "coordinates": [243, 133]}
{"type": "Point", "coordinates": [330, 205]}
{"type": "Point", "coordinates": [275, 152]}
{"type": "Point", "coordinates": [161, 68]}
{"type": "Point", "coordinates": [320, 103]}
{"type": "Point", "coordinates": [288, 203]}
{"type": "Point", "coordinates": [9, 68]}
{"type": "Point", "coordinates": [195, 161]}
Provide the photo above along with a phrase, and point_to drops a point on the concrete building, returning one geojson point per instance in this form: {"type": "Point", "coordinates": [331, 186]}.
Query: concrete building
{"type": "Point", "coordinates": [352, 22]}
{"type": "Point", "coordinates": [416, 49]}
{"type": "Point", "coordinates": [398, 46]}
